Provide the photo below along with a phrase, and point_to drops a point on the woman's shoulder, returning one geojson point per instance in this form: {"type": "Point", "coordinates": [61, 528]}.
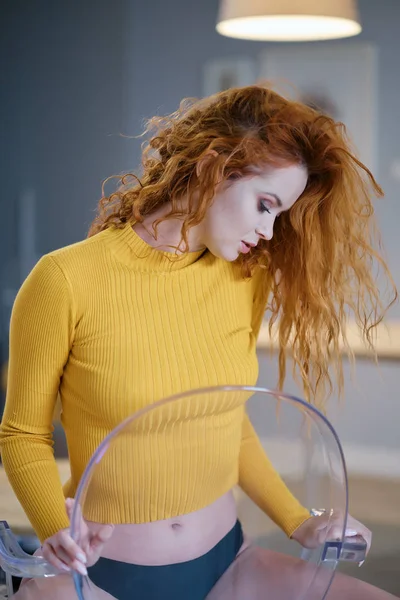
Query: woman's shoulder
{"type": "Point", "coordinates": [89, 249]}
{"type": "Point", "coordinates": [83, 260]}
{"type": "Point", "coordinates": [70, 266]}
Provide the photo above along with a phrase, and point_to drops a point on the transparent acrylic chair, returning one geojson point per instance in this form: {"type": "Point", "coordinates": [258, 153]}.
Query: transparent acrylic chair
{"type": "Point", "coordinates": [299, 441]}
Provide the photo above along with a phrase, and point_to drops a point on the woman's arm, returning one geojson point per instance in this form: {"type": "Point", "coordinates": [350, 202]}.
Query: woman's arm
{"type": "Point", "coordinates": [261, 482]}
{"type": "Point", "coordinates": [41, 334]}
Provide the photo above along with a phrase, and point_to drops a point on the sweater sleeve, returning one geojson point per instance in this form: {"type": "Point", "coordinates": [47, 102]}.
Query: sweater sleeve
{"type": "Point", "coordinates": [261, 482]}
{"type": "Point", "coordinates": [257, 476]}
{"type": "Point", "coordinates": [41, 333]}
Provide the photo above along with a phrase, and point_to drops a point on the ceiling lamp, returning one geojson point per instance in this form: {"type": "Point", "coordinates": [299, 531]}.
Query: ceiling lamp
{"type": "Point", "coordinates": [288, 20]}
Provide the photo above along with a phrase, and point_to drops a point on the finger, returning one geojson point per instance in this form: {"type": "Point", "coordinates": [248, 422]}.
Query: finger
{"type": "Point", "coordinates": [350, 532]}
{"type": "Point", "coordinates": [49, 554]}
{"type": "Point", "coordinates": [361, 530]}
{"type": "Point", "coordinates": [69, 505]}
{"type": "Point", "coordinates": [335, 532]}
{"type": "Point", "coordinates": [328, 518]}
{"type": "Point", "coordinates": [367, 535]}
{"type": "Point", "coordinates": [337, 514]}
{"type": "Point", "coordinates": [76, 565]}
{"type": "Point", "coordinates": [101, 537]}
{"type": "Point", "coordinates": [322, 536]}
{"type": "Point", "coordinates": [63, 555]}
{"type": "Point", "coordinates": [320, 523]}
{"type": "Point", "coordinates": [64, 541]}
{"type": "Point", "coordinates": [352, 522]}
{"type": "Point", "coordinates": [57, 553]}
{"type": "Point", "coordinates": [81, 530]}
{"type": "Point", "coordinates": [336, 525]}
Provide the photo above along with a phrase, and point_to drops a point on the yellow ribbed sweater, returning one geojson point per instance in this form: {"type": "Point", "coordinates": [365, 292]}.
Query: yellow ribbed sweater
{"type": "Point", "coordinates": [113, 325]}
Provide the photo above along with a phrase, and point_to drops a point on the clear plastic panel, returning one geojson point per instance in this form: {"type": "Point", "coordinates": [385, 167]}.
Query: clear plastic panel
{"type": "Point", "coordinates": [300, 443]}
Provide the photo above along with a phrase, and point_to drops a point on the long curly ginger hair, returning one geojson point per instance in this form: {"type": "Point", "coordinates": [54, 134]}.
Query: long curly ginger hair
{"type": "Point", "coordinates": [322, 263]}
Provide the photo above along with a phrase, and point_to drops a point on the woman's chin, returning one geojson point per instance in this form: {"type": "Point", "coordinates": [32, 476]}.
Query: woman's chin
{"type": "Point", "coordinates": [227, 253]}
{"type": "Point", "coordinates": [227, 256]}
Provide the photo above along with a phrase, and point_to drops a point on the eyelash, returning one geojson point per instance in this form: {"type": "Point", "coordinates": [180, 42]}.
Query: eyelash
{"type": "Point", "coordinates": [263, 208]}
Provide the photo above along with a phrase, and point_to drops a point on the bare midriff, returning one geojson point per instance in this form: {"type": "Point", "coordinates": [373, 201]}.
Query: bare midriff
{"type": "Point", "coordinates": [172, 540]}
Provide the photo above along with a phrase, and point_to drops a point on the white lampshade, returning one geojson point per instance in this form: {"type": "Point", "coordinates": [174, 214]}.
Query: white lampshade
{"type": "Point", "coordinates": [288, 20]}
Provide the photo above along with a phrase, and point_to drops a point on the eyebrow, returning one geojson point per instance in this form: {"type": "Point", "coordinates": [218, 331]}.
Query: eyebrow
{"type": "Point", "coordinates": [278, 200]}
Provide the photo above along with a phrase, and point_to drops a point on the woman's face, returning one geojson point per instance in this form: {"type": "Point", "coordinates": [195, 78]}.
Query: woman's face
{"type": "Point", "coordinates": [244, 210]}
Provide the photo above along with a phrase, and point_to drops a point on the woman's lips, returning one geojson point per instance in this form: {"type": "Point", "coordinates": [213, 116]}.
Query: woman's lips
{"type": "Point", "coordinates": [244, 248]}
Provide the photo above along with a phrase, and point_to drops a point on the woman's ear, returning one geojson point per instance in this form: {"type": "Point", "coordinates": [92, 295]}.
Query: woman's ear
{"type": "Point", "coordinates": [205, 160]}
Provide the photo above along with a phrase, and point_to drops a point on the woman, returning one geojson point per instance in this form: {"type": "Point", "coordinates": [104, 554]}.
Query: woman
{"type": "Point", "coordinates": [245, 198]}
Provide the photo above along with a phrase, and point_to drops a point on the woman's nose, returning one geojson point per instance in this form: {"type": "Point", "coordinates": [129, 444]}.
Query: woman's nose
{"type": "Point", "coordinates": [264, 233]}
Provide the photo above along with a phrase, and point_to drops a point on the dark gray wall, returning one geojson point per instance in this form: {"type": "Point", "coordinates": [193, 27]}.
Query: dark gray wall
{"type": "Point", "coordinates": [61, 115]}
{"type": "Point", "coordinates": [62, 109]}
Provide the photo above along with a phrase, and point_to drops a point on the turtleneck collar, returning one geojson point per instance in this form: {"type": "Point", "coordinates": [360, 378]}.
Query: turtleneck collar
{"type": "Point", "coordinates": [135, 252]}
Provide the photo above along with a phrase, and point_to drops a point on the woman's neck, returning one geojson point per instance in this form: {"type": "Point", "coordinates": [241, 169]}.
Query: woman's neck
{"type": "Point", "coordinates": [169, 232]}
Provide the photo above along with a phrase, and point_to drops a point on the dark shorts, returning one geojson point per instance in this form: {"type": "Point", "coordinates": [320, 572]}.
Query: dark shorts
{"type": "Point", "coordinates": [191, 580]}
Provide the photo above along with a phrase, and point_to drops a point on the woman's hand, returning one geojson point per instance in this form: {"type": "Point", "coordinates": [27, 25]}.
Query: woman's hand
{"type": "Point", "coordinates": [313, 532]}
{"type": "Point", "coordinates": [62, 552]}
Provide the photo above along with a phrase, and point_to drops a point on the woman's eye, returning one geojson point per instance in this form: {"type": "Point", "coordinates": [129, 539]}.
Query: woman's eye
{"type": "Point", "coordinates": [264, 207]}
